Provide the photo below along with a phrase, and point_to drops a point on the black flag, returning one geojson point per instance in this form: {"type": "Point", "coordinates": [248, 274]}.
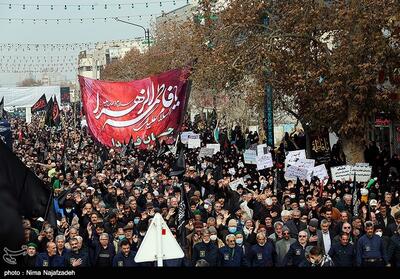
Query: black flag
{"type": "Point", "coordinates": [49, 113]}
{"type": "Point", "coordinates": [40, 105]}
{"type": "Point", "coordinates": [22, 193]}
{"type": "Point", "coordinates": [56, 113]}
{"type": "Point", "coordinates": [2, 108]}
{"type": "Point", "coordinates": [161, 148]}
{"type": "Point", "coordinates": [355, 203]}
{"type": "Point", "coordinates": [180, 165]}
{"type": "Point", "coordinates": [183, 214]}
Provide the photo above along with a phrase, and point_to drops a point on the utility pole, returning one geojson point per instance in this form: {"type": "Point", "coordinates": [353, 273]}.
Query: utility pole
{"type": "Point", "coordinates": [146, 30]}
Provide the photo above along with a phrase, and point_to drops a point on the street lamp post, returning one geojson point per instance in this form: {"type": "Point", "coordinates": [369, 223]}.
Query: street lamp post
{"type": "Point", "coordinates": [146, 30]}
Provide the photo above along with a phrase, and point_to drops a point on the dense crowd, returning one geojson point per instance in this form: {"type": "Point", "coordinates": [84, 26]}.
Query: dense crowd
{"type": "Point", "coordinates": [105, 199]}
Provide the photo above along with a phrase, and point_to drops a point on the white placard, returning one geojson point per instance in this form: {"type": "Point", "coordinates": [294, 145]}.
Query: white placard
{"type": "Point", "coordinates": [305, 163]}
{"type": "Point", "coordinates": [264, 161]}
{"type": "Point", "coordinates": [292, 172]}
{"type": "Point", "coordinates": [232, 171]}
{"type": "Point", "coordinates": [194, 136]}
{"type": "Point", "coordinates": [321, 172]}
{"type": "Point", "coordinates": [362, 164]}
{"type": "Point", "coordinates": [236, 183]}
{"type": "Point", "coordinates": [293, 156]}
{"type": "Point", "coordinates": [363, 172]}
{"type": "Point", "coordinates": [341, 173]}
{"type": "Point", "coordinates": [240, 165]}
{"type": "Point", "coordinates": [206, 152]}
{"type": "Point", "coordinates": [185, 136]}
{"type": "Point", "coordinates": [28, 115]}
{"type": "Point", "coordinates": [262, 149]}
{"type": "Point", "coordinates": [194, 143]}
{"type": "Point", "coordinates": [215, 146]}
{"type": "Point", "coordinates": [250, 157]}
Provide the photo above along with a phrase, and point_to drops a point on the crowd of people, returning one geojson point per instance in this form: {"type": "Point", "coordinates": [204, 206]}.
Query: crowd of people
{"type": "Point", "coordinates": [105, 199]}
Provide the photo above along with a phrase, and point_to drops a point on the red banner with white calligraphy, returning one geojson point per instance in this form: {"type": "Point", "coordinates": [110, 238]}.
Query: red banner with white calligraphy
{"type": "Point", "coordinates": [144, 109]}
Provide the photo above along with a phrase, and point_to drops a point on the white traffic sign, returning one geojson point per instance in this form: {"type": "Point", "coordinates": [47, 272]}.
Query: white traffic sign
{"type": "Point", "coordinates": [158, 244]}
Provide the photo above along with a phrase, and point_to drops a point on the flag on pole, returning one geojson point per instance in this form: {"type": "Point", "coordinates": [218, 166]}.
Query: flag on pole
{"type": "Point", "coordinates": [2, 108]}
{"type": "Point", "coordinates": [49, 112]}
{"type": "Point", "coordinates": [355, 203]}
{"type": "Point", "coordinates": [40, 104]}
{"type": "Point", "coordinates": [56, 113]}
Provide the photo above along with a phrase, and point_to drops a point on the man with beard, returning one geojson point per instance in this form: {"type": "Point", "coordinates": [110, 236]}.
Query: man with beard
{"type": "Point", "coordinates": [29, 260]}
{"type": "Point", "coordinates": [76, 257]}
{"type": "Point", "coordinates": [125, 257]}
{"type": "Point", "coordinates": [282, 246]}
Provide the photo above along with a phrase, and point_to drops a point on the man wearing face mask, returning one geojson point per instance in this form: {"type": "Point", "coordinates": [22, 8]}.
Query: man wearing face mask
{"type": "Point", "coordinates": [214, 237]}
{"type": "Point", "coordinates": [231, 255]}
{"type": "Point", "coordinates": [370, 249]}
{"type": "Point", "coordinates": [206, 249]}
{"type": "Point", "coordinates": [231, 229]}
{"type": "Point", "coordinates": [263, 253]}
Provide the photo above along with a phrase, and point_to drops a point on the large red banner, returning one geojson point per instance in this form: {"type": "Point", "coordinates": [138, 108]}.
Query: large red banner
{"type": "Point", "coordinates": [144, 109]}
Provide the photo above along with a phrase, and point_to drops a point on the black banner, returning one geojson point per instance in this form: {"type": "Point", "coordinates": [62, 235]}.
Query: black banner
{"type": "Point", "coordinates": [320, 148]}
{"type": "Point", "coordinates": [65, 95]}
{"type": "Point", "coordinates": [5, 133]}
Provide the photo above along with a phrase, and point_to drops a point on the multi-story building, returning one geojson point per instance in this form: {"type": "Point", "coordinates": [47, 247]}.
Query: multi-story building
{"type": "Point", "coordinates": [92, 62]}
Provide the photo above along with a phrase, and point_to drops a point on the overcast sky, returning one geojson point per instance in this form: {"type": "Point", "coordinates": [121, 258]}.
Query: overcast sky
{"type": "Point", "coordinates": [74, 32]}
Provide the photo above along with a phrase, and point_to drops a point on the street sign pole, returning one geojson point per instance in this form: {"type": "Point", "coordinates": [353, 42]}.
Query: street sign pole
{"type": "Point", "coordinates": [159, 242]}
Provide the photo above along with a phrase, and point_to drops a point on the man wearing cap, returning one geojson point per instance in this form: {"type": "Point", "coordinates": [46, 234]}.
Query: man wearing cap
{"type": "Point", "coordinates": [29, 260]}
{"type": "Point", "coordinates": [263, 253]}
{"type": "Point", "coordinates": [370, 250]}
{"type": "Point", "coordinates": [311, 230]}
{"type": "Point", "coordinates": [231, 255]}
{"type": "Point", "coordinates": [194, 237]}
{"type": "Point", "coordinates": [125, 257]}
{"type": "Point", "coordinates": [282, 246]}
{"type": "Point", "coordinates": [132, 239]}
{"type": "Point", "coordinates": [206, 249]}
{"type": "Point", "coordinates": [76, 257]}
{"type": "Point", "coordinates": [50, 257]}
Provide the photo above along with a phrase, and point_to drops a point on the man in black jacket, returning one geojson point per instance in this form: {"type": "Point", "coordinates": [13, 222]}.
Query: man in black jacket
{"type": "Point", "coordinates": [394, 248]}
{"type": "Point", "coordinates": [206, 250]}
{"type": "Point", "coordinates": [343, 253]}
{"type": "Point", "coordinates": [295, 225]}
{"type": "Point", "coordinates": [29, 260]}
{"type": "Point", "coordinates": [76, 257]}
